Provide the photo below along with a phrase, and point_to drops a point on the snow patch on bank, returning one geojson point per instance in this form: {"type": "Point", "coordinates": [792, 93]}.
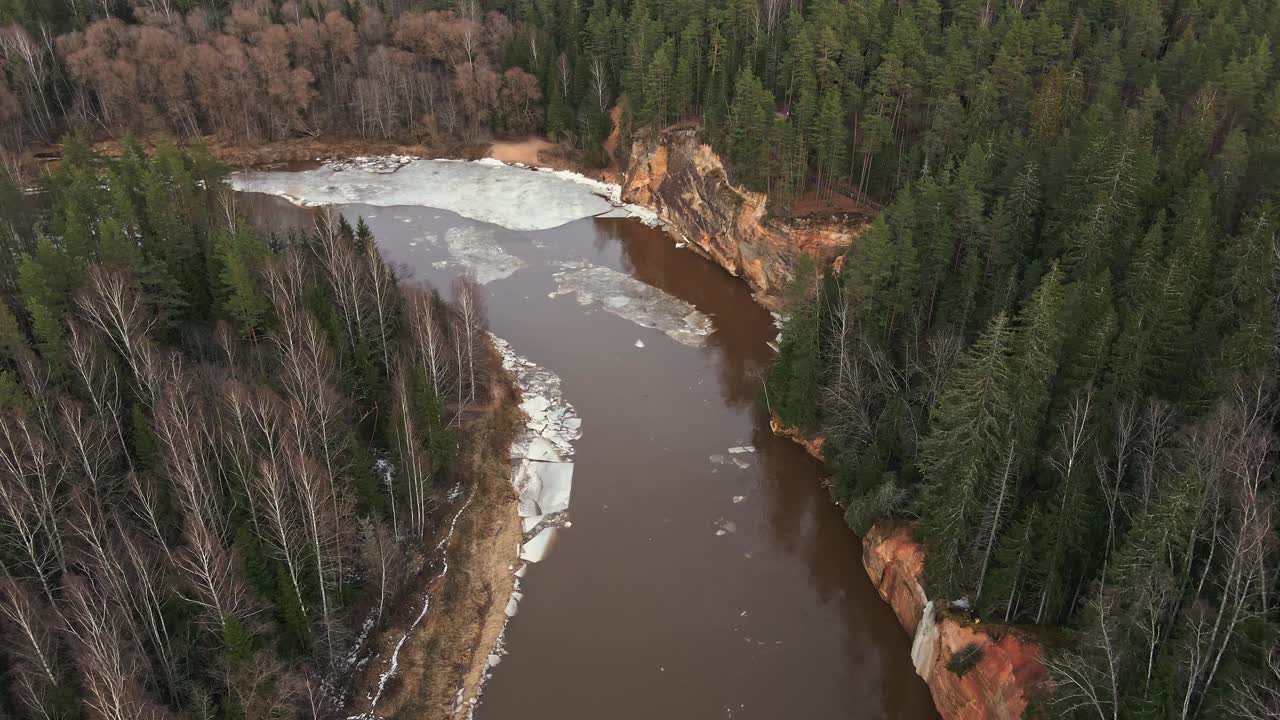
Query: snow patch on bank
{"type": "Point", "coordinates": [487, 190]}
{"type": "Point", "coordinates": [630, 299]}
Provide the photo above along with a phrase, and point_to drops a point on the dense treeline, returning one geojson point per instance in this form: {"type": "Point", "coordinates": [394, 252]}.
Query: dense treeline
{"type": "Point", "coordinates": [249, 72]}
{"type": "Point", "coordinates": [220, 454]}
{"type": "Point", "coordinates": [1057, 347]}
{"type": "Point", "coordinates": [860, 97]}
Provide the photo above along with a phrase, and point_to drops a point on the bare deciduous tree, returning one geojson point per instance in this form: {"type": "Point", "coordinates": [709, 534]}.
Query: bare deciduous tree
{"type": "Point", "coordinates": [29, 637]}
{"type": "Point", "coordinates": [280, 521]}
{"type": "Point", "coordinates": [1259, 698]}
{"type": "Point", "coordinates": [213, 583]}
{"type": "Point", "coordinates": [108, 667]}
{"type": "Point", "coordinates": [415, 468]}
{"type": "Point", "coordinates": [1087, 679]}
{"type": "Point", "coordinates": [469, 334]}
{"type": "Point", "coordinates": [430, 349]}
{"type": "Point", "coordinates": [31, 500]}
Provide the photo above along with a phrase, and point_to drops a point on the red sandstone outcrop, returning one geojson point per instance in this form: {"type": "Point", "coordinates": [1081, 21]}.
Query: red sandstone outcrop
{"type": "Point", "coordinates": [813, 446]}
{"type": "Point", "coordinates": [1009, 671]}
{"type": "Point", "coordinates": [686, 183]}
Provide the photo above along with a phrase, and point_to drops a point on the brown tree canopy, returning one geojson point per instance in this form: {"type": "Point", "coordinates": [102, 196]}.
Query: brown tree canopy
{"type": "Point", "coordinates": [394, 75]}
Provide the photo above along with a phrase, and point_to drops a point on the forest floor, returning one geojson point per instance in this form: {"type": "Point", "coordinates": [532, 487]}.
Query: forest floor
{"type": "Point", "coordinates": [450, 648]}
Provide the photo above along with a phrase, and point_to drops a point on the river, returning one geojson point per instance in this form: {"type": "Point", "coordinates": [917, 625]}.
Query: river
{"type": "Point", "coordinates": [694, 582]}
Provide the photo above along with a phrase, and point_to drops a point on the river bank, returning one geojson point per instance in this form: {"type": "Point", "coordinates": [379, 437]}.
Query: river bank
{"type": "Point", "coordinates": [436, 646]}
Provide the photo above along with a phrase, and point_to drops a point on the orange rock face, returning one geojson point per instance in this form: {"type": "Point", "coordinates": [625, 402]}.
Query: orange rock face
{"type": "Point", "coordinates": [1001, 683]}
{"type": "Point", "coordinates": [1009, 671]}
{"type": "Point", "coordinates": [813, 446]}
{"type": "Point", "coordinates": [686, 183]}
{"type": "Point", "coordinates": [895, 564]}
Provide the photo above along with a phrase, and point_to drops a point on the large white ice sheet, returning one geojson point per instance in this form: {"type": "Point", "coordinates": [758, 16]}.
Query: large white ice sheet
{"type": "Point", "coordinates": [628, 298]}
{"type": "Point", "coordinates": [487, 191]}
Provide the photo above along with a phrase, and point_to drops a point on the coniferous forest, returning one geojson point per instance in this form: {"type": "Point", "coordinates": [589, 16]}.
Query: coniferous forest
{"type": "Point", "coordinates": [1054, 351]}
{"type": "Point", "coordinates": [221, 454]}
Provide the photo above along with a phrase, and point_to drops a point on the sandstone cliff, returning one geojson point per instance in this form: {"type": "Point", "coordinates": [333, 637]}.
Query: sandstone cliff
{"type": "Point", "coordinates": [813, 446]}
{"type": "Point", "coordinates": [686, 183]}
{"type": "Point", "coordinates": [1008, 670]}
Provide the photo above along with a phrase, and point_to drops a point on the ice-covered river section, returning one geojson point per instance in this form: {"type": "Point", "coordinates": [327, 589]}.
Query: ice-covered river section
{"type": "Point", "coordinates": [509, 196]}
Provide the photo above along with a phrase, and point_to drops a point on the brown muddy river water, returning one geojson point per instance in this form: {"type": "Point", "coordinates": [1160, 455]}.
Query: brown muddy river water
{"type": "Point", "coordinates": [693, 582]}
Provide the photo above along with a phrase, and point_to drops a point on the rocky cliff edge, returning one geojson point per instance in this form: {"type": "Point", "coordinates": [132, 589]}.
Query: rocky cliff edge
{"type": "Point", "coordinates": [686, 183]}
{"type": "Point", "coordinates": [1007, 672]}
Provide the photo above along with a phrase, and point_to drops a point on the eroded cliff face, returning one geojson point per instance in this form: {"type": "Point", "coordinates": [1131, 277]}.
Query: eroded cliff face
{"type": "Point", "coordinates": [813, 445]}
{"type": "Point", "coordinates": [999, 685]}
{"type": "Point", "coordinates": [686, 183]}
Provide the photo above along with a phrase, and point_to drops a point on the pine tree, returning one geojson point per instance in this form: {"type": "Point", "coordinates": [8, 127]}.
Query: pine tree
{"type": "Point", "coordinates": [117, 249]}
{"type": "Point", "coordinates": [792, 389]}
{"type": "Point", "coordinates": [241, 254]}
{"type": "Point", "coordinates": [658, 86]}
{"type": "Point", "coordinates": [12, 341]}
{"type": "Point", "coordinates": [830, 141]}
{"type": "Point", "coordinates": [748, 118]}
{"type": "Point", "coordinates": [968, 436]}
{"type": "Point", "coordinates": [1041, 330]}
{"type": "Point", "coordinates": [47, 279]}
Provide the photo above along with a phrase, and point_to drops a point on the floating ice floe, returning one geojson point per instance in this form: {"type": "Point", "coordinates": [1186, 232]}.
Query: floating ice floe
{"type": "Point", "coordinates": [640, 343]}
{"type": "Point", "coordinates": [630, 299]}
{"type": "Point", "coordinates": [737, 458]}
{"type": "Point", "coordinates": [742, 449]}
{"type": "Point", "coordinates": [478, 250]}
{"type": "Point", "coordinates": [724, 527]}
{"type": "Point", "coordinates": [485, 190]}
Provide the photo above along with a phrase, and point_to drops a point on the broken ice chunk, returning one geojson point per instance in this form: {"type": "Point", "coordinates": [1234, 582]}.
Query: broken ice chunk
{"type": "Point", "coordinates": [535, 407]}
{"type": "Point", "coordinates": [537, 548]}
{"type": "Point", "coordinates": [555, 484]}
{"type": "Point", "coordinates": [542, 450]}
{"type": "Point", "coordinates": [639, 343]}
